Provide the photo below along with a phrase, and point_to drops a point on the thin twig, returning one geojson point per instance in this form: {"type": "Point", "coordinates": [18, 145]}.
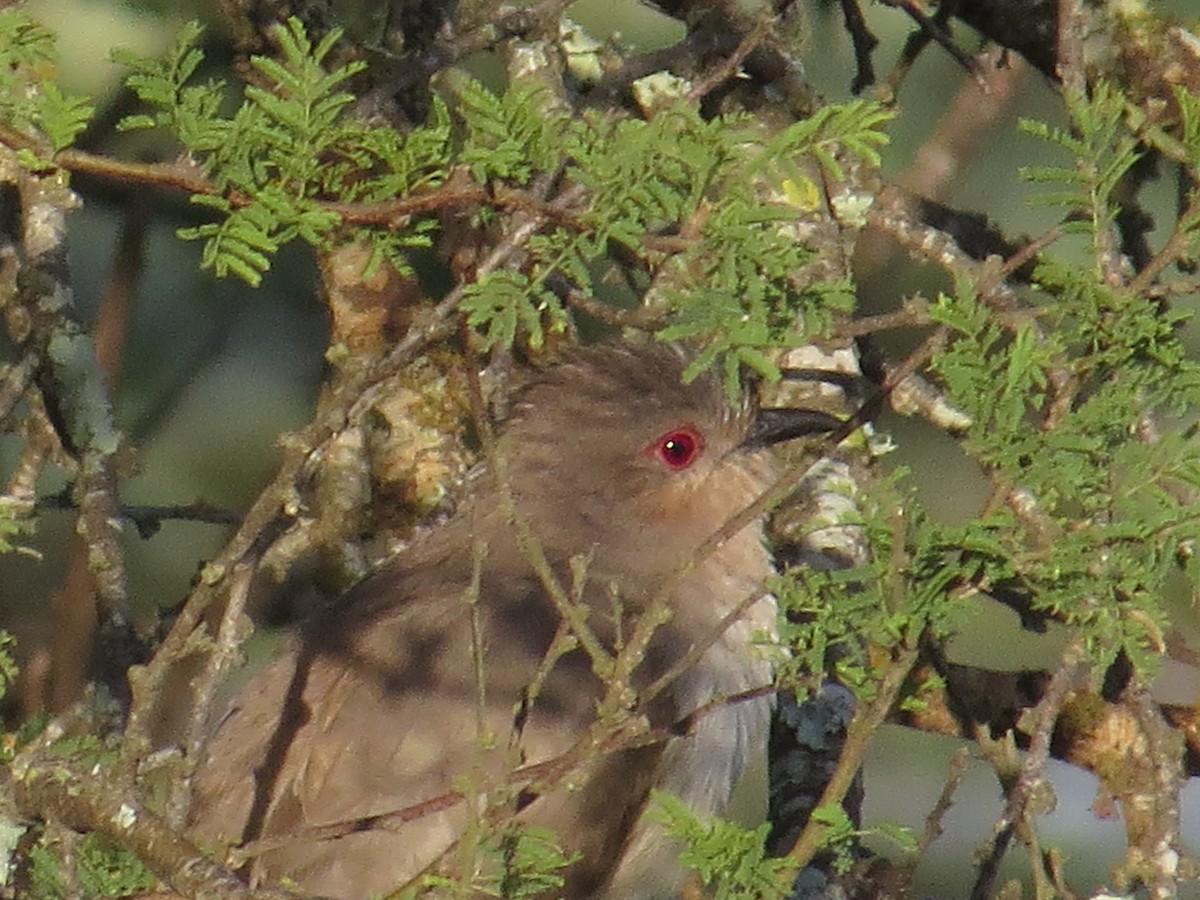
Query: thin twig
{"type": "Point", "coordinates": [864, 42]}
{"type": "Point", "coordinates": [914, 314]}
{"type": "Point", "coordinates": [149, 518]}
{"type": "Point", "coordinates": [697, 651]}
{"type": "Point", "coordinates": [939, 34]}
{"type": "Point", "coordinates": [231, 632]}
{"type": "Point", "coordinates": [933, 822]}
{"type": "Point", "coordinates": [611, 315]}
{"type": "Point", "coordinates": [862, 729]}
{"type": "Point", "coordinates": [1033, 769]}
{"type": "Point", "coordinates": [174, 176]}
{"type": "Point", "coordinates": [1030, 251]}
{"type": "Point", "coordinates": [732, 65]}
{"type": "Point", "coordinates": [1176, 246]}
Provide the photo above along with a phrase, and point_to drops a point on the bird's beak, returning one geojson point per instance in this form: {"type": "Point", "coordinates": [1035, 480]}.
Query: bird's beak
{"type": "Point", "coordinates": [776, 424]}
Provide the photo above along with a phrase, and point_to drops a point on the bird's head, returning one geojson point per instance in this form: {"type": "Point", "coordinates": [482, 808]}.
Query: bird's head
{"type": "Point", "coordinates": [611, 454]}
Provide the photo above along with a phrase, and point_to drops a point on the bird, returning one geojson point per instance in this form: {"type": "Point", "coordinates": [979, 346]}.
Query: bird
{"type": "Point", "coordinates": [458, 692]}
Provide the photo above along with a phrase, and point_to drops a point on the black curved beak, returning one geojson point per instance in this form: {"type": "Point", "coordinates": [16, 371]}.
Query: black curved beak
{"type": "Point", "coordinates": [776, 424]}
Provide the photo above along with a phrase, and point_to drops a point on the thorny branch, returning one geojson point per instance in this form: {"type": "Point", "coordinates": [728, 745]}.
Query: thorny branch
{"type": "Point", "coordinates": [148, 519]}
{"type": "Point", "coordinates": [1032, 772]}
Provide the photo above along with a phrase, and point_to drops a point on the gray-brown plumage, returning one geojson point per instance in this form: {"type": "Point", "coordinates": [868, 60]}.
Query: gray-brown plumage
{"type": "Point", "coordinates": [412, 693]}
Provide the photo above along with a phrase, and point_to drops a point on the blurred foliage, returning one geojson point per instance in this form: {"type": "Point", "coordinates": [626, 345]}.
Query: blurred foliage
{"type": "Point", "coordinates": [12, 526]}
{"type": "Point", "coordinates": [515, 862]}
{"type": "Point", "coordinates": [8, 667]}
{"type": "Point", "coordinates": [28, 53]}
{"type": "Point", "coordinates": [99, 868]}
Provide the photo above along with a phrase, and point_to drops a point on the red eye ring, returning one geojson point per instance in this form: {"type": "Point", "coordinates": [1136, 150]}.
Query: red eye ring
{"type": "Point", "coordinates": [678, 448]}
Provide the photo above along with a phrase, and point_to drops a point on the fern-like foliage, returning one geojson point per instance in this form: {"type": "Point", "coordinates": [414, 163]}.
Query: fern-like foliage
{"type": "Point", "coordinates": [1103, 150]}
{"type": "Point", "coordinates": [1081, 401]}
{"type": "Point", "coordinates": [1119, 511]}
{"type": "Point", "coordinates": [730, 859]}
{"type": "Point", "coordinates": [510, 137]}
{"type": "Point", "coordinates": [737, 296]}
{"type": "Point", "coordinates": [284, 151]}
{"type": "Point", "coordinates": [905, 590]}
{"type": "Point", "coordinates": [31, 104]}
{"type": "Point", "coordinates": [854, 128]}
{"type": "Point", "coordinates": [507, 302]}
{"type": "Point", "coordinates": [288, 155]}
{"type": "Point", "coordinates": [1077, 403]}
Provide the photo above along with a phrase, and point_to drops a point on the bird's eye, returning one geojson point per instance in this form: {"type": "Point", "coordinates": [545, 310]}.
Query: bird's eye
{"type": "Point", "coordinates": [678, 448]}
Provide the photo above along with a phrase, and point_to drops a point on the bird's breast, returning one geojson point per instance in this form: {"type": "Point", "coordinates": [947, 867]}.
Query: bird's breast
{"type": "Point", "coordinates": [728, 693]}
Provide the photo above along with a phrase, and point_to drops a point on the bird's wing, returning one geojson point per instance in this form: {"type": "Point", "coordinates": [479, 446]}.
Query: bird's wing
{"type": "Point", "coordinates": [334, 732]}
{"type": "Point", "coordinates": [391, 722]}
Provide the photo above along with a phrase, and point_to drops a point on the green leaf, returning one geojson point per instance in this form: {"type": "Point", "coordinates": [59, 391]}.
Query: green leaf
{"type": "Point", "coordinates": [283, 151]}
{"type": "Point", "coordinates": [107, 869]}
{"type": "Point", "coordinates": [63, 117]}
{"type": "Point", "coordinates": [505, 303]}
{"type": "Point", "coordinates": [1102, 148]}
{"type": "Point", "coordinates": [726, 857]}
{"type": "Point", "coordinates": [31, 103]}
